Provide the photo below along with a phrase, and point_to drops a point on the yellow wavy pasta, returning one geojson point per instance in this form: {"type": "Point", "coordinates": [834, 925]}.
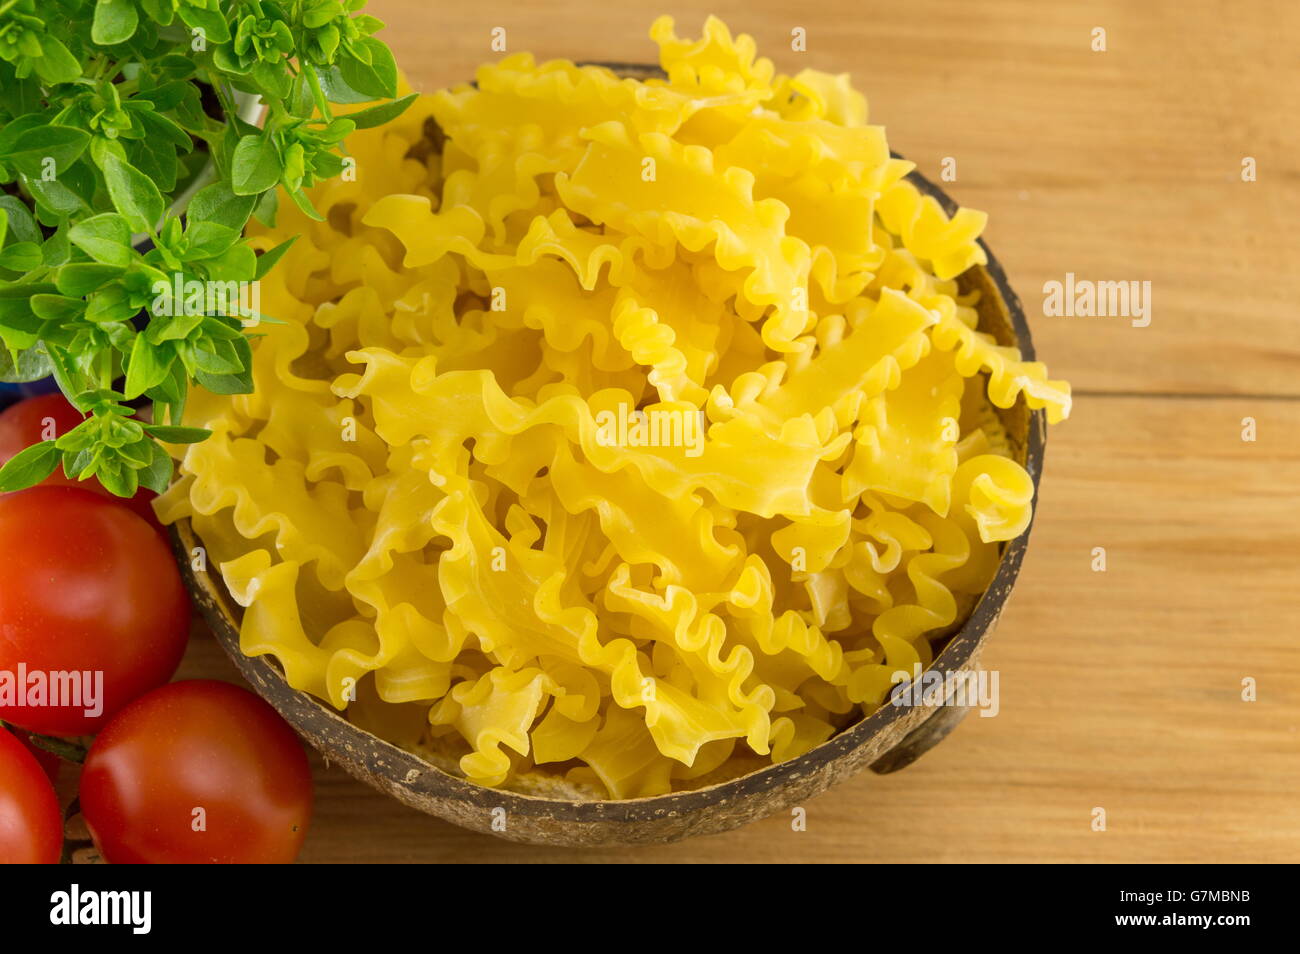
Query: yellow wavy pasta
{"type": "Point", "coordinates": [623, 432]}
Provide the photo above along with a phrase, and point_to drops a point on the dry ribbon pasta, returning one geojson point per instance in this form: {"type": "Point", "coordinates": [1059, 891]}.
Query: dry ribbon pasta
{"type": "Point", "coordinates": [622, 433]}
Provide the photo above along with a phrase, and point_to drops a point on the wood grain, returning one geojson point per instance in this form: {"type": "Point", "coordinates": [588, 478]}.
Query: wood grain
{"type": "Point", "coordinates": [1119, 689]}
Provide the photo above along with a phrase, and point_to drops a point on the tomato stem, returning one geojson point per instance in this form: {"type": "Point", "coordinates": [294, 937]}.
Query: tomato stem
{"type": "Point", "coordinates": [68, 751]}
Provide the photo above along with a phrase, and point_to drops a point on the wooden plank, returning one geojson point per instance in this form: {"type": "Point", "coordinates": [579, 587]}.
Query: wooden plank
{"type": "Point", "coordinates": [1119, 689]}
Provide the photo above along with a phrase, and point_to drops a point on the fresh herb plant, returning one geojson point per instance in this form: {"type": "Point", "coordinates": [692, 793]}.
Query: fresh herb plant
{"type": "Point", "coordinates": [102, 125]}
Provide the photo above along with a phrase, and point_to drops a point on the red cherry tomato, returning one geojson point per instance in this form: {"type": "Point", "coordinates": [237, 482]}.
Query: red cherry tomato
{"type": "Point", "coordinates": [31, 825]}
{"type": "Point", "coordinates": [48, 417]}
{"type": "Point", "coordinates": [87, 586]}
{"type": "Point", "coordinates": [197, 771]}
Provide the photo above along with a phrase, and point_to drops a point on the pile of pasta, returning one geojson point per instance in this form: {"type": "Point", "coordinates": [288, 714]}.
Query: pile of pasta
{"type": "Point", "coordinates": [431, 524]}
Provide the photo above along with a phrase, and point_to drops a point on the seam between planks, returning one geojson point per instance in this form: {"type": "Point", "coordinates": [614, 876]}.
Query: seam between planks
{"type": "Point", "coordinates": [1187, 396]}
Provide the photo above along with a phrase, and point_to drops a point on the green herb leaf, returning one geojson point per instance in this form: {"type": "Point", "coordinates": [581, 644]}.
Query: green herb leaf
{"type": "Point", "coordinates": [16, 127]}
{"type": "Point", "coordinates": [79, 279]}
{"type": "Point", "coordinates": [236, 264]}
{"type": "Point", "coordinates": [160, 11]}
{"type": "Point", "coordinates": [106, 238]}
{"type": "Point", "coordinates": [169, 434]}
{"type": "Point", "coordinates": [211, 22]}
{"type": "Point", "coordinates": [256, 166]}
{"type": "Point", "coordinates": [218, 203]}
{"type": "Point", "coordinates": [19, 326]}
{"type": "Point", "coordinates": [29, 467]}
{"type": "Point", "coordinates": [115, 22]}
{"type": "Point", "coordinates": [21, 257]}
{"type": "Point", "coordinates": [65, 377]}
{"type": "Point", "coordinates": [166, 96]}
{"type": "Point", "coordinates": [208, 239]}
{"type": "Point", "coordinates": [173, 392]}
{"type": "Point", "coordinates": [267, 207]}
{"type": "Point", "coordinates": [101, 147]}
{"type": "Point", "coordinates": [378, 78]}
{"type": "Point", "coordinates": [55, 196]}
{"type": "Point", "coordinates": [157, 474]}
{"type": "Point", "coordinates": [337, 89]}
{"type": "Point", "coordinates": [148, 366]}
{"type": "Point", "coordinates": [56, 64]}
{"type": "Point", "coordinates": [30, 364]}
{"type": "Point", "coordinates": [117, 478]}
{"type": "Point", "coordinates": [273, 79]}
{"type": "Point", "coordinates": [20, 224]}
{"type": "Point", "coordinates": [47, 150]}
{"type": "Point", "coordinates": [110, 305]}
{"type": "Point", "coordinates": [172, 328]}
{"type": "Point", "coordinates": [135, 196]}
{"type": "Point", "coordinates": [58, 308]}
{"type": "Point", "coordinates": [301, 201]}
{"type": "Point", "coordinates": [56, 249]}
{"type": "Point", "coordinates": [373, 116]}
{"type": "Point", "coordinates": [241, 383]}
{"type": "Point", "coordinates": [268, 259]}
{"type": "Point", "coordinates": [301, 99]}
{"type": "Point", "coordinates": [18, 96]}
{"type": "Point", "coordinates": [162, 129]}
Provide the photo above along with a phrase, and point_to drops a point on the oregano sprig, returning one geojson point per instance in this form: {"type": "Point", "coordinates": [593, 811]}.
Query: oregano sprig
{"type": "Point", "coordinates": [109, 111]}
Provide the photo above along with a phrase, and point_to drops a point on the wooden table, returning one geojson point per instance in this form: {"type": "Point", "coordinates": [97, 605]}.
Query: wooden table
{"type": "Point", "coordinates": [1121, 689]}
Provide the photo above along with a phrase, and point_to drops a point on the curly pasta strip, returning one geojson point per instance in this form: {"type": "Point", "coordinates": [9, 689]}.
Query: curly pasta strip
{"type": "Point", "coordinates": [744, 234]}
{"type": "Point", "coordinates": [1009, 377]}
{"type": "Point", "coordinates": [949, 244]}
{"type": "Point", "coordinates": [906, 445]}
{"type": "Point", "coordinates": [410, 397]}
